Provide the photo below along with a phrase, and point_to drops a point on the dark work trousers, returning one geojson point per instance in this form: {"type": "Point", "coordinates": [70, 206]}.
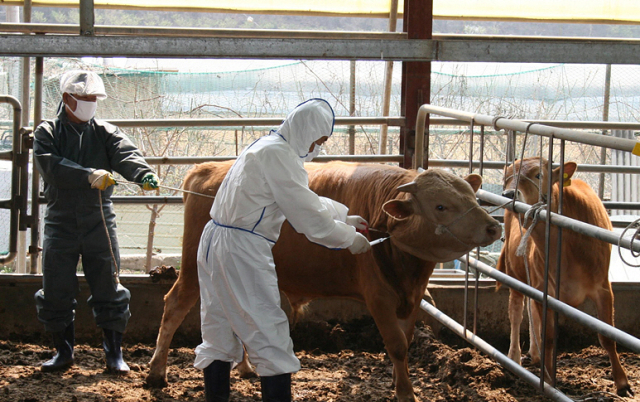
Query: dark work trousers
{"type": "Point", "coordinates": [74, 228]}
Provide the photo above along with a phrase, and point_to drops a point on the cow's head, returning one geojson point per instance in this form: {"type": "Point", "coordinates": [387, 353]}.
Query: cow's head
{"type": "Point", "coordinates": [528, 180]}
{"type": "Point", "coordinates": [437, 218]}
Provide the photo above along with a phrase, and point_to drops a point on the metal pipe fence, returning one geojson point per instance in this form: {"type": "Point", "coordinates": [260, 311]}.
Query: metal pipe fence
{"type": "Point", "coordinates": [489, 350]}
{"type": "Point", "coordinates": [561, 221]}
{"type": "Point", "coordinates": [595, 324]}
{"type": "Point", "coordinates": [15, 179]}
{"type": "Point", "coordinates": [421, 159]}
{"type": "Point", "coordinates": [558, 220]}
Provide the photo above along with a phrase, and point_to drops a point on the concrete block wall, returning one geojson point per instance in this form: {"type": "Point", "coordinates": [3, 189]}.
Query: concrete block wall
{"type": "Point", "coordinates": [18, 319]}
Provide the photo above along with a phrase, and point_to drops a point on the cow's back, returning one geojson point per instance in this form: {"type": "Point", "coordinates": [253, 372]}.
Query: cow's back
{"type": "Point", "coordinates": [589, 258]}
{"type": "Point", "coordinates": [364, 188]}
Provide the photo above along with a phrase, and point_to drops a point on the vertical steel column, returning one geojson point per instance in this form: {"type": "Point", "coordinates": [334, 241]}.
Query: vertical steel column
{"type": "Point", "coordinates": [87, 18]}
{"type": "Point", "coordinates": [545, 291]}
{"type": "Point", "coordinates": [477, 284]}
{"type": "Point", "coordinates": [34, 252]}
{"type": "Point", "coordinates": [466, 265]}
{"type": "Point", "coordinates": [481, 169]}
{"type": "Point", "coordinates": [605, 117]}
{"type": "Point", "coordinates": [388, 81]}
{"type": "Point", "coordinates": [352, 106]}
{"type": "Point", "coordinates": [22, 153]}
{"type": "Point", "coordinates": [558, 257]}
{"type": "Point", "coordinates": [416, 76]}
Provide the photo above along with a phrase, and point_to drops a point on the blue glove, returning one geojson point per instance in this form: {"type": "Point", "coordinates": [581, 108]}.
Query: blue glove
{"type": "Point", "coordinates": [150, 182]}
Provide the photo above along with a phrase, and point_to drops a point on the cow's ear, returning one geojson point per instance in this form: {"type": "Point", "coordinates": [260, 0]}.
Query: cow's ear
{"type": "Point", "coordinates": [398, 209]}
{"type": "Point", "coordinates": [569, 170]}
{"type": "Point", "coordinates": [411, 187]}
{"type": "Point", "coordinates": [475, 180]}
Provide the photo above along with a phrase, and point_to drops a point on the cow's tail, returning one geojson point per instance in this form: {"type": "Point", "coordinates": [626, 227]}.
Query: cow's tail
{"type": "Point", "coordinates": [501, 266]}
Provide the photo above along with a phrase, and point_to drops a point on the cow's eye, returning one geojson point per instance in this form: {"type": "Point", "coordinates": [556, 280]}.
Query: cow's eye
{"type": "Point", "coordinates": [538, 176]}
{"type": "Point", "coordinates": [440, 208]}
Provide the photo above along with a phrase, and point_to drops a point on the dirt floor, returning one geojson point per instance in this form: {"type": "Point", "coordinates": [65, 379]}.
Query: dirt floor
{"type": "Point", "coordinates": [339, 363]}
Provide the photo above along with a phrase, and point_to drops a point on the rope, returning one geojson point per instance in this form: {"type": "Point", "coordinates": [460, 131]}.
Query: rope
{"type": "Point", "coordinates": [116, 274]}
{"type": "Point", "coordinates": [535, 211]}
{"type": "Point", "coordinates": [171, 188]}
{"type": "Point", "coordinates": [524, 239]}
{"type": "Point", "coordinates": [635, 224]}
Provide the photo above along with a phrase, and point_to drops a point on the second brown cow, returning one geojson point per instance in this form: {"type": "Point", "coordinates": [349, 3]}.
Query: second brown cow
{"type": "Point", "coordinates": [584, 266]}
{"type": "Point", "coordinates": [431, 217]}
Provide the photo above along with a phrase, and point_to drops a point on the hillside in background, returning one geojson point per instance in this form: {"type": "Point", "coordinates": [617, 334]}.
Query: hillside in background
{"type": "Point", "coordinates": [250, 21]}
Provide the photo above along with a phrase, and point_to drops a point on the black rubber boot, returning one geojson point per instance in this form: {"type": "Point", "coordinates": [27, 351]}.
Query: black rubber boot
{"type": "Point", "coordinates": [63, 342]}
{"type": "Point", "coordinates": [111, 343]}
{"type": "Point", "coordinates": [216, 381]}
{"type": "Point", "coordinates": [276, 388]}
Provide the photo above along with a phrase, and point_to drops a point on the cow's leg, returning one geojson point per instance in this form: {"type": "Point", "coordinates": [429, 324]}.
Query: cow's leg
{"type": "Point", "coordinates": [549, 360]}
{"type": "Point", "coordinates": [408, 326]}
{"type": "Point", "coordinates": [536, 343]}
{"type": "Point", "coordinates": [395, 342]}
{"type": "Point", "coordinates": [604, 307]}
{"type": "Point", "coordinates": [177, 304]}
{"type": "Point", "coordinates": [244, 367]}
{"type": "Point", "coordinates": [516, 308]}
{"type": "Point", "coordinates": [535, 329]}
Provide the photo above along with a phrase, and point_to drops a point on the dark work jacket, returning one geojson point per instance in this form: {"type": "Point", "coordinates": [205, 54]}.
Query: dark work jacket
{"type": "Point", "coordinates": [65, 162]}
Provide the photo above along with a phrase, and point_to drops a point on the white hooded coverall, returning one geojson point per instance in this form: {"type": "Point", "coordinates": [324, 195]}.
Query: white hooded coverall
{"type": "Point", "coordinates": [240, 301]}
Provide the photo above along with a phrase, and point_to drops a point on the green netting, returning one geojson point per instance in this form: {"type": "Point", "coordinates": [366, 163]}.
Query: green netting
{"type": "Point", "coordinates": [226, 88]}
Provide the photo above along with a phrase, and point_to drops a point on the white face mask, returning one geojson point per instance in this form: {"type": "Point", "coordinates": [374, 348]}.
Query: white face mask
{"type": "Point", "coordinates": [84, 110]}
{"type": "Point", "coordinates": [313, 154]}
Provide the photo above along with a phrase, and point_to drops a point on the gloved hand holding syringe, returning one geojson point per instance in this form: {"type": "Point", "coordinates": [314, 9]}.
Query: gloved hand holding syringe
{"type": "Point", "coordinates": [378, 241]}
{"type": "Point", "coordinates": [362, 226]}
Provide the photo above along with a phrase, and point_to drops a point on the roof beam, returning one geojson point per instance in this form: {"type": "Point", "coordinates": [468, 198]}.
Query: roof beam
{"type": "Point", "coordinates": [254, 48]}
{"type": "Point", "coordinates": [503, 49]}
{"type": "Point", "coordinates": [540, 50]}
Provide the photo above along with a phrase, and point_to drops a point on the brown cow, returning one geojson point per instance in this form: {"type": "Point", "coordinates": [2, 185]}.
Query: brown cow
{"type": "Point", "coordinates": [391, 280]}
{"type": "Point", "coordinates": [584, 266]}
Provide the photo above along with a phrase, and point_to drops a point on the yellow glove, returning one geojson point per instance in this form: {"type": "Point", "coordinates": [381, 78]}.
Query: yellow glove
{"type": "Point", "coordinates": [150, 182]}
{"type": "Point", "coordinates": [101, 179]}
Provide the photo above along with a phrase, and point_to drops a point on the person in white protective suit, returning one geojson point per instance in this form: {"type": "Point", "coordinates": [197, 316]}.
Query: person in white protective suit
{"type": "Point", "coordinates": [240, 301]}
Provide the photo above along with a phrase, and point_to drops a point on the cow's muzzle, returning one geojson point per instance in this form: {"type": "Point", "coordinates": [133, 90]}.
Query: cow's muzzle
{"type": "Point", "coordinates": [510, 194]}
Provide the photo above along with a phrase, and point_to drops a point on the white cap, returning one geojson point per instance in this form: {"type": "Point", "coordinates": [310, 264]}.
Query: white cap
{"type": "Point", "coordinates": [84, 83]}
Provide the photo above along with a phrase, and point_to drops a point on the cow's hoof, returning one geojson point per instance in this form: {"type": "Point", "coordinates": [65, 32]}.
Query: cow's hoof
{"type": "Point", "coordinates": [156, 381]}
{"type": "Point", "coordinates": [247, 373]}
{"type": "Point", "coordinates": [626, 392]}
{"type": "Point", "coordinates": [245, 370]}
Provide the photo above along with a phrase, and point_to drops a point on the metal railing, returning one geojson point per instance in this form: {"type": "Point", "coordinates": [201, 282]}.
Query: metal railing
{"type": "Point", "coordinates": [595, 324]}
{"type": "Point", "coordinates": [485, 347]}
{"type": "Point", "coordinates": [563, 134]}
{"type": "Point", "coordinates": [499, 122]}
{"type": "Point", "coordinates": [12, 203]}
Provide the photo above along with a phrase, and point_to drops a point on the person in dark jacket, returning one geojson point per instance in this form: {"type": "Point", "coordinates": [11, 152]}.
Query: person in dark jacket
{"type": "Point", "coordinates": [76, 155]}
